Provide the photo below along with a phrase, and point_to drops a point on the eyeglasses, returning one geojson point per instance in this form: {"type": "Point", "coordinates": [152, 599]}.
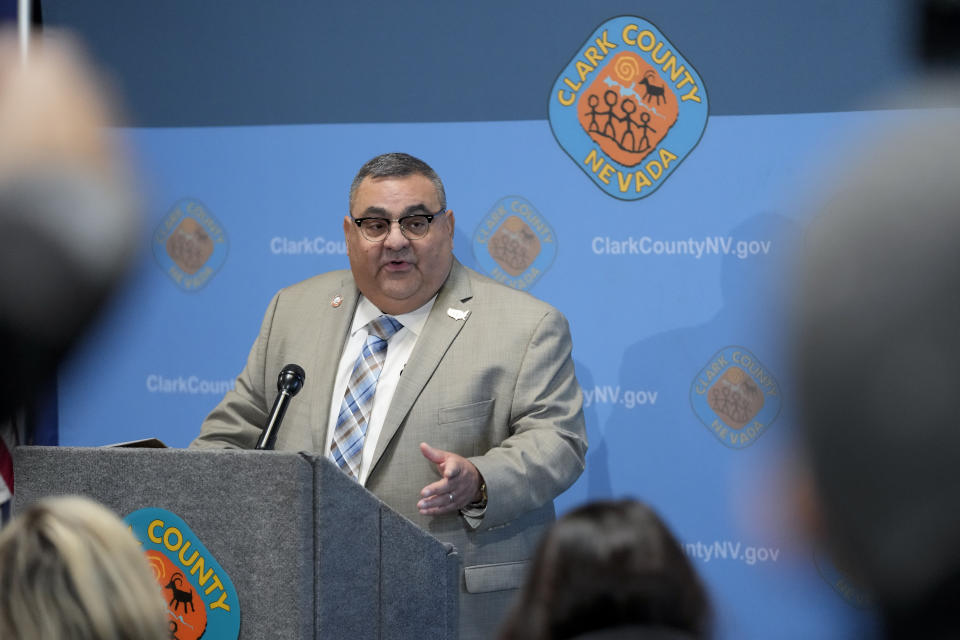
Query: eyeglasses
{"type": "Point", "coordinates": [412, 227]}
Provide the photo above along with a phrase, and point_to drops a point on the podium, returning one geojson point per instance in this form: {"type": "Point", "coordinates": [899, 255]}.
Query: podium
{"type": "Point", "coordinates": [311, 553]}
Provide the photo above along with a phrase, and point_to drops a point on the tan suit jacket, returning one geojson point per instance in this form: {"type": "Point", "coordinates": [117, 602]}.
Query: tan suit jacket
{"type": "Point", "coordinates": [497, 387]}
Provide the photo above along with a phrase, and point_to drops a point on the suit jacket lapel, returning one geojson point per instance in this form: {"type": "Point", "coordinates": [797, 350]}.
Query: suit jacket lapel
{"type": "Point", "coordinates": [332, 330]}
{"type": "Point", "coordinates": [439, 331]}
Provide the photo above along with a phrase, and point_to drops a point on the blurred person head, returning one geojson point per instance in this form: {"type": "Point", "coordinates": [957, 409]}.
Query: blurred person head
{"type": "Point", "coordinates": [67, 212]}
{"type": "Point", "coordinates": [877, 351]}
{"type": "Point", "coordinates": [71, 570]}
{"type": "Point", "coordinates": [609, 569]}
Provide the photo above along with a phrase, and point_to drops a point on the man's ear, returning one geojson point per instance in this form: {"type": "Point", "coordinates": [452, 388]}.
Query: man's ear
{"type": "Point", "coordinates": [451, 221]}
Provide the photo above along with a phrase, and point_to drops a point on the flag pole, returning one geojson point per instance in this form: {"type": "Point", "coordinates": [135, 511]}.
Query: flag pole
{"type": "Point", "coordinates": [23, 22]}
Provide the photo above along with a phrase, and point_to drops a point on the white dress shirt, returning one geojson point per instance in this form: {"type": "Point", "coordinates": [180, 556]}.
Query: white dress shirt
{"type": "Point", "coordinates": [399, 348]}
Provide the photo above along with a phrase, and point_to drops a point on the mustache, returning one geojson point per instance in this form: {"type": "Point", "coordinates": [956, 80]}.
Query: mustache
{"type": "Point", "coordinates": [398, 256]}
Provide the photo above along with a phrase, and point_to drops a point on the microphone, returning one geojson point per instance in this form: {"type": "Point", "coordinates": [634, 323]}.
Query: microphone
{"type": "Point", "coordinates": [289, 383]}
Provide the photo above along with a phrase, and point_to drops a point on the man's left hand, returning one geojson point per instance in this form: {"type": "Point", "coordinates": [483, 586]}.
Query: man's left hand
{"type": "Point", "coordinates": [458, 486]}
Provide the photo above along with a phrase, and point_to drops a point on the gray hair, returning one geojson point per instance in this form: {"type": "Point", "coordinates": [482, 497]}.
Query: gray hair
{"type": "Point", "coordinates": [877, 346]}
{"type": "Point", "coordinates": [70, 570]}
{"type": "Point", "coordinates": [397, 165]}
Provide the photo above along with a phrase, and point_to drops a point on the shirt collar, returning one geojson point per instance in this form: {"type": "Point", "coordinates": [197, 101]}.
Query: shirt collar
{"type": "Point", "coordinates": [413, 320]}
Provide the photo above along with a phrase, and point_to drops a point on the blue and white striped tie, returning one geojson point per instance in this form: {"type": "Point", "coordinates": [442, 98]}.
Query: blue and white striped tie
{"type": "Point", "coordinates": [348, 436]}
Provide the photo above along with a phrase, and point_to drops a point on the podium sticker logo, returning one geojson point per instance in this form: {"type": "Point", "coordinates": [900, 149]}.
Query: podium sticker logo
{"type": "Point", "coordinates": [735, 397]}
{"type": "Point", "coordinates": [190, 245]}
{"type": "Point", "coordinates": [201, 599]}
{"type": "Point", "coordinates": [514, 244]}
{"type": "Point", "coordinates": [628, 108]}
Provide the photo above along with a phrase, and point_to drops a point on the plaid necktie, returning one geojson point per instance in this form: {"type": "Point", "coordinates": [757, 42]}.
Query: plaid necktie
{"type": "Point", "coordinates": [347, 446]}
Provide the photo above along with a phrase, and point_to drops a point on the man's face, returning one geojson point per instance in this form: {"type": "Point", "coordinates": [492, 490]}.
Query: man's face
{"type": "Point", "coordinates": [399, 275]}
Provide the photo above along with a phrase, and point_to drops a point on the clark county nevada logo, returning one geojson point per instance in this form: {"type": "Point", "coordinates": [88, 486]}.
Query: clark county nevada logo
{"type": "Point", "coordinates": [190, 245]}
{"type": "Point", "coordinates": [736, 397]}
{"type": "Point", "coordinates": [628, 108]}
{"type": "Point", "coordinates": [202, 601]}
{"type": "Point", "coordinates": [514, 243]}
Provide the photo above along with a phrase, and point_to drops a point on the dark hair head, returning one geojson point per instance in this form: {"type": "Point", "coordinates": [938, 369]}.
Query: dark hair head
{"type": "Point", "coordinates": [608, 564]}
{"type": "Point", "coordinates": [397, 165]}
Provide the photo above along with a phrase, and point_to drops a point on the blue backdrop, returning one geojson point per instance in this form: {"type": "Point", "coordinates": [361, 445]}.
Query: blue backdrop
{"type": "Point", "coordinates": [678, 301]}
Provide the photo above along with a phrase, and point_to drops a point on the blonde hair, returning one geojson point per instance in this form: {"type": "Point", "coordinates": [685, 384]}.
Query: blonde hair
{"type": "Point", "coordinates": [70, 569]}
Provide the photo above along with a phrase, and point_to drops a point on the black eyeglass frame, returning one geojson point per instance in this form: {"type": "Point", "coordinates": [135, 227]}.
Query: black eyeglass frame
{"type": "Point", "coordinates": [429, 217]}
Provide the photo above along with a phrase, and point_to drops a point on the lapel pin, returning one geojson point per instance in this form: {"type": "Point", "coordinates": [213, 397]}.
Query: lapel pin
{"type": "Point", "coordinates": [457, 314]}
{"type": "Point", "coordinates": [337, 300]}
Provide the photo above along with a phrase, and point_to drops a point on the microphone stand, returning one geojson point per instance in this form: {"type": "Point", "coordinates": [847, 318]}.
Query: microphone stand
{"type": "Point", "coordinates": [289, 383]}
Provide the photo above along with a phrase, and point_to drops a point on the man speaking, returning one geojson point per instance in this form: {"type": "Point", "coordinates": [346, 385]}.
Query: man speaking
{"type": "Point", "coordinates": [449, 396]}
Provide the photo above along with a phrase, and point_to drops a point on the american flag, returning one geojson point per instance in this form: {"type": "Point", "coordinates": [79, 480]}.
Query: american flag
{"type": "Point", "coordinates": [34, 426]}
{"type": "Point", "coordinates": [11, 429]}
{"type": "Point", "coordinates": [6, 466]}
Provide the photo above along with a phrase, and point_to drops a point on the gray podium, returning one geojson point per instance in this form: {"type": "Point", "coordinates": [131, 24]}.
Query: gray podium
{"type": "Point", "coordinates": [311, 553]}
